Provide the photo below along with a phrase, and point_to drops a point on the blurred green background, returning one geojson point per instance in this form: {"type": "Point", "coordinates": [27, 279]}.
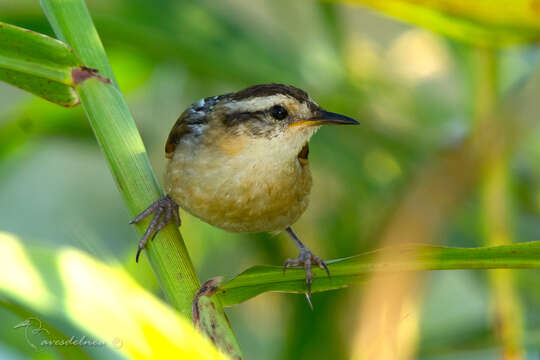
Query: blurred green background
{"type": "Point", "coordinates": [447, 153]}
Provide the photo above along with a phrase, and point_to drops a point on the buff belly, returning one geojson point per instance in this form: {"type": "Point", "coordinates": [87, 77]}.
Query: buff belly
{"type": "Point", "coordinates": [239, 194]}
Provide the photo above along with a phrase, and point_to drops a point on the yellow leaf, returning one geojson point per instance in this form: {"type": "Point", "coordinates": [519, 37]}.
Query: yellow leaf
{"type": "Point", "coordinates": [105, 301]}
{"type": "Point", "coordinates": [480, 22]}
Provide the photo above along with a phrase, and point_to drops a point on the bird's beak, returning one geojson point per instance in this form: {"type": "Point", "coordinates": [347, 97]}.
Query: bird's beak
{"type": "Point", "coordinates": [326, 118]}
{"type": "Point", "coordinates": [330, 118]}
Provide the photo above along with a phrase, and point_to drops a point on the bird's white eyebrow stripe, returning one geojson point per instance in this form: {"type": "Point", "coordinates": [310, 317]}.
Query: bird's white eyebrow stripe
{"type": "Point", "coordinates": [257, 103]}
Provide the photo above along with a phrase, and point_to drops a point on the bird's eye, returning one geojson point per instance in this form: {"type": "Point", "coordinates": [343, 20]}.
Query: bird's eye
{"type": "Point", "coordinates": [278, 112]}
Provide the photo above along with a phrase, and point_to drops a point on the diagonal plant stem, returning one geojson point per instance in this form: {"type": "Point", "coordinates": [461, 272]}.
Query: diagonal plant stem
{"type": "Point", "coordinates": [122, 145]}
{"type": "Point", "coordinates": [117, 134]}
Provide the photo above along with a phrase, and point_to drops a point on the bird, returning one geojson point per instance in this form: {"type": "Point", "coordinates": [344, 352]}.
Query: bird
{"type": "Point", "coordinates": [239, 162]}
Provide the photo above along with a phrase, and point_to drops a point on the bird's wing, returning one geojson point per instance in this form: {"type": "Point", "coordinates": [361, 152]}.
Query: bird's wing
{"type": "Point", "coordinates": [192, 121]}
{"type": "Point", "coordinates": [179, 130]}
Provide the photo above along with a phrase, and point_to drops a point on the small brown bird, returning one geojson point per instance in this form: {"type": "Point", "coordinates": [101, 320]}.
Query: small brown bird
{"type": "Point", "coordinates": [239, 161]}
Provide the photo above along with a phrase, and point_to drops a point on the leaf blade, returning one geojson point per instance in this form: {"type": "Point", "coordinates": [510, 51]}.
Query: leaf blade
{"type": "Point", "coordinates": [52, 91]}
{"type": "Point", "coordinates": [38, 64]}
{"type": "Point", "coordinates": [97, 299]}
{"type": "Point", "coordinates": [352, 270]}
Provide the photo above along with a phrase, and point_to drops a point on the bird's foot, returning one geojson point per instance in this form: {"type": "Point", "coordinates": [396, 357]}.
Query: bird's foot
{"type": "Point", "coordinates": [306, 258]}
{"type": "Point", "coordinates": [165, 210]}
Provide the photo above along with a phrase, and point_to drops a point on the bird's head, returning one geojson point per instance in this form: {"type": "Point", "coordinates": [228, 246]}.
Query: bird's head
{"type": "Point", "coordinates": [275, 110]}
{"type": "Point", "coordinates": [266, 118]}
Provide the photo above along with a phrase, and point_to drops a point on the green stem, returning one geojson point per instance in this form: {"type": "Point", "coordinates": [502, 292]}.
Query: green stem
{"type": "Point", "coordinates": [117, 135]}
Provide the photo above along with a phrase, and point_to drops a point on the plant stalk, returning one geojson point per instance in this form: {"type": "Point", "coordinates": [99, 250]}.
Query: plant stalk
{"type": "Point", "coordinates": [119, 139]}
{"type": "Point", "coordinates": [124, 150]}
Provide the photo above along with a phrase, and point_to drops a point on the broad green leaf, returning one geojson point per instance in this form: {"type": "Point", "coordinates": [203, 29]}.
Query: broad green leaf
{"type": "Point", "coordinates": [38, 64]}
{"type": "Point", "coordinates": [481, 22]}
{"type": "Point", "coordinates": [352, 270]}
{"type": "Point", "coordinates": [101, 299]}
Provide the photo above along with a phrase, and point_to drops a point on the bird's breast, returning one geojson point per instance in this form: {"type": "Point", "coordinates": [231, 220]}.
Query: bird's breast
{"type": "Point", "coordinates": [237, 189]}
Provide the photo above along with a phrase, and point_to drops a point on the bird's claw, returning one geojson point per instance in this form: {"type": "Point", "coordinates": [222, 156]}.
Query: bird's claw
{"type": "Point", "coordinates": [164, 210]}
{"type": "Point", "coordinates": [306, 258]}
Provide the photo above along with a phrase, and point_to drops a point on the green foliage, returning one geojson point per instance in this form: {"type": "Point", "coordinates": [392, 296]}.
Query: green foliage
{"type": "Point", "coordinates": [38, 64]}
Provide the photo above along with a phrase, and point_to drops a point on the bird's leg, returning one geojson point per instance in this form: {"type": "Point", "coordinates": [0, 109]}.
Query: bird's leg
{"type": "Point", "coordinates": [306, 259]}
{"type": "Point", "coordinates": [164, 210]}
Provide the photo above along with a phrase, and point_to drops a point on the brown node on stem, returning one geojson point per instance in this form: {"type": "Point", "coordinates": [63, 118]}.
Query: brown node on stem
{"type": "Point", "coordinates": [207, 289]}
{"type": "Point", "coordinates": [82, 73]}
